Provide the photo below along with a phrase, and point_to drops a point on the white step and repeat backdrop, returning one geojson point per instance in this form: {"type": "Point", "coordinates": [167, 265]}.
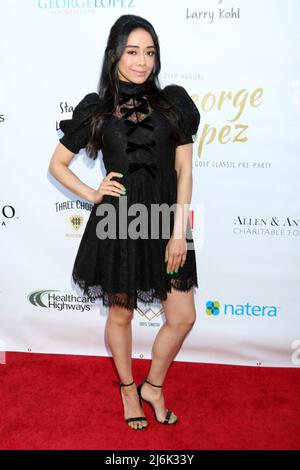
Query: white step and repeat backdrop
{"type": "Point", "coordinates": [240, 61]}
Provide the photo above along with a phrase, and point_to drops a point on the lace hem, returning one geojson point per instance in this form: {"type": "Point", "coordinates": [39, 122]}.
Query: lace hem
{"type": "Point", "coordinates": [129, 301]}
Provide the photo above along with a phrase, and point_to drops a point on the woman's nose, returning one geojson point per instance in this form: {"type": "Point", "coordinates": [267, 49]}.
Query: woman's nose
{"type": "Point", "coordinates": [141, 60]}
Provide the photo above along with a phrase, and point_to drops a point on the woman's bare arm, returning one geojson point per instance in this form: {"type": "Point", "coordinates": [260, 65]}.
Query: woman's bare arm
{"type": "Point", "coordinates": [176, 249]}
{"type": "Point", "coordinates": [183, 166]}
{"type": "Point", "coordinates": [59, 168]}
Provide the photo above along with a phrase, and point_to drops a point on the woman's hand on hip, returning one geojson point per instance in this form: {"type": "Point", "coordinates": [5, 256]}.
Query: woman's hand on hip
{"type": "Point", "coordinates": [110, 187]}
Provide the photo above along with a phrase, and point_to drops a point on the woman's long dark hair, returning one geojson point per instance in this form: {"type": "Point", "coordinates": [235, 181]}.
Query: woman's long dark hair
{"type": "Point", "coordinates": [108, 84]}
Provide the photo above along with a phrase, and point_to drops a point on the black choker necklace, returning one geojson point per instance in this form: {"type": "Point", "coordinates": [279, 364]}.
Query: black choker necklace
{"type": "Point", "coordinates": [131, 87]}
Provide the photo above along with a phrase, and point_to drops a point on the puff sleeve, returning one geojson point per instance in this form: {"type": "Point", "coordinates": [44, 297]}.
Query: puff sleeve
{"type": "Point", "coordinates": [77, 129]}
{"type": "Point", "coordinates": [189, 116]}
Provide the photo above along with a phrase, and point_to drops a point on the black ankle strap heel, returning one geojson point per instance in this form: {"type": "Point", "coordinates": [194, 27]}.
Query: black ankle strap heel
{"type": "Point", "coordinates": [137, 418]}
{"type": "Point", "coordinates": [122, 385]}
{"type": "Point", "coordinates": [147, 381]}
{"type": "Point", "coordinates": [168, 413]}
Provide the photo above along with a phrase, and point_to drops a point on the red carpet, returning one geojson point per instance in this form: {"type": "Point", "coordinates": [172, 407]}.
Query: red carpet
{"type": "Point", "coordinates": [69, 402]}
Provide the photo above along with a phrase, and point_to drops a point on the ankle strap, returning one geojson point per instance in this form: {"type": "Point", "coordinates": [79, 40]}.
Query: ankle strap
{"type": "Point", "coordinates": [123, 385]}
{"type": "Point", "coordinates": [146, 380]}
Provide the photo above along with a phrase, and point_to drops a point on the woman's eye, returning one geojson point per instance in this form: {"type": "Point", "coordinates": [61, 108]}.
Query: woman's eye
{"type": "Point", "coordinates": [150, 52]}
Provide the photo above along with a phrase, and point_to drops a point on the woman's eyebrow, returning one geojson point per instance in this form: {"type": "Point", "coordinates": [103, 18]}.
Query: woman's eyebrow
{"type": "Point", "coordinates": [139, 46]}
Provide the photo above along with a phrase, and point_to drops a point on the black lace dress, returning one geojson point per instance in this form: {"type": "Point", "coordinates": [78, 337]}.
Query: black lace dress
{"type": "Point", "coordinates": [136, 142]}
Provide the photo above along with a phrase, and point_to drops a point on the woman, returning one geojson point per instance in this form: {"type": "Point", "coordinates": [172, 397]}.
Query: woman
{"type": "Point", "coordinates": [145, 135]}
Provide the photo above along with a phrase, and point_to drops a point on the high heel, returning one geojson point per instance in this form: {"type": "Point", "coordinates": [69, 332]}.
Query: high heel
{"type": "Point", "coordinates": [137, 418]}
{"type": "Point", "coordinates": [169, 412]}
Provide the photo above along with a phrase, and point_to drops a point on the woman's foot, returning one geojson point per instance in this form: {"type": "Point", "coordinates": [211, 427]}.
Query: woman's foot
{"type": "Point", "coordinates": [155, 396]}
{"type": "Point", "coordinates": [132, 406]}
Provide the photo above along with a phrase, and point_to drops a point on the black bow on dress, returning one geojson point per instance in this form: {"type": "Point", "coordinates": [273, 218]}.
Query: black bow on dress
{"type": "Point", "coordinates": [140, 96]}
{"type": "Point", "coordinates": [134, 125]}
{"type": "Point", "coordinates": [141, 107]}
{"type": "Point", "coordinates": [150, 167]}
{"type": "Point", "coordinates": [132, 146]}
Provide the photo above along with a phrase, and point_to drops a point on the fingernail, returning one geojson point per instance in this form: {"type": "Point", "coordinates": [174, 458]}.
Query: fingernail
{"type": "Point", "coordinates": [176, 271]}
{"type": "Point", "coordinates": [121, 174]}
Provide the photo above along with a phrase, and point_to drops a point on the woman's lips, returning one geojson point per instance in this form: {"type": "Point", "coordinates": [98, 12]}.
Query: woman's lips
{"type": "Point", "coordinates": [139, 73]}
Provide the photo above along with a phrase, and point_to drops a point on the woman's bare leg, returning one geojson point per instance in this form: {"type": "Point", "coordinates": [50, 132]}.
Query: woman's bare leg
{"type": "Point", "coordinates": [119, 336]}
{"type": "Point", "coordinates": [180, 312]}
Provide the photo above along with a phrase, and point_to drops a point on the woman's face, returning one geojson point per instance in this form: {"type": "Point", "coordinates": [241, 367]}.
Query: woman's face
{"type": "Point", "coordinates": [138, 56]}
